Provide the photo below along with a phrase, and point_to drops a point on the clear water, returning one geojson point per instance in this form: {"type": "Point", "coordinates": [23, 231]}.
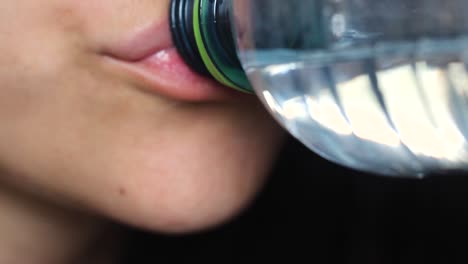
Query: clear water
{"type": "Point", "coordinates": [395, 108]}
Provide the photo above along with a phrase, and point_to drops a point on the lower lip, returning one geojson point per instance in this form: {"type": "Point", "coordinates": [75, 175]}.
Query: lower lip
{"type": "Point", "coordinates": [165, 73]}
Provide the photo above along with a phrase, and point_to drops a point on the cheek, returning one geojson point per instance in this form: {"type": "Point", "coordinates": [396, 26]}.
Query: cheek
{"type": "Point", "coordinates": [38, 41]}
{"type": "Point", "coordinates": [45, 77]}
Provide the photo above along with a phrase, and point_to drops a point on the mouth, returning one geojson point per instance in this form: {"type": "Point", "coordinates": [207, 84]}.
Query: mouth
{"type": "Point", "coordinates": [150, 57]}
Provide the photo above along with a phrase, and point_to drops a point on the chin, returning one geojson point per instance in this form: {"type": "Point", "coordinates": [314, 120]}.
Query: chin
{"type": "Point", "coordinates": [191, 178]}
{"type": "Point", "coordinates": [181, 195]}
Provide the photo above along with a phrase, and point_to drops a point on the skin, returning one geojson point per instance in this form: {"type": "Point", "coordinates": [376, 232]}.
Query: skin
{"type": "Point", "coordinates": [81, 143]}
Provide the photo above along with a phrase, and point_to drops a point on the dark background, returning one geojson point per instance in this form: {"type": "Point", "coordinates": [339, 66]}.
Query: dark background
{"type": "Point", "coordinates": [313, 211]}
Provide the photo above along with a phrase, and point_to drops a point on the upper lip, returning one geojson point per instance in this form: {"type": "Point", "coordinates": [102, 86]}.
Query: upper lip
{"type": "Point", "coordinates": [141, 43]}
{"type": "Point", "coordinates": [135, 54]}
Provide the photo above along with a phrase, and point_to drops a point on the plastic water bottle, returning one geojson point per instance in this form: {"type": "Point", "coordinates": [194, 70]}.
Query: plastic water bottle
{"type": "Point", "coordinates": [379, 86]}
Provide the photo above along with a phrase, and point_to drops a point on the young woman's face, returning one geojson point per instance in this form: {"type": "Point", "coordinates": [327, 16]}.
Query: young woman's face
{"type": "Point", "coordinates": [98, 112]}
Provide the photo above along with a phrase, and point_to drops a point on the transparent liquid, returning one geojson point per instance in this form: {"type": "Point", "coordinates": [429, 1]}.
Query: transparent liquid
{"type": "Point", "coordinates": [394, 109]}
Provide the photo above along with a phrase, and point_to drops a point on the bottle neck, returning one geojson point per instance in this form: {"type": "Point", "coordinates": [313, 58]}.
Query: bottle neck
{"type": "Point", "coordinates": [203, 34]}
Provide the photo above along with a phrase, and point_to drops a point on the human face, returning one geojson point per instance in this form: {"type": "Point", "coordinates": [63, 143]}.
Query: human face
{"type": "Point", "coordinates": [91, 120]}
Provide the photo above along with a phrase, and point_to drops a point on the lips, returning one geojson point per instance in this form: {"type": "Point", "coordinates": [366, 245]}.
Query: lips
{"type": "Point", "coordinates": [150, 57]}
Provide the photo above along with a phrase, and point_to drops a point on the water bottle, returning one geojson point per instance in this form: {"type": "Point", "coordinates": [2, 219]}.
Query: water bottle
{"type": "Point", "coordinates": [378, 86]}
